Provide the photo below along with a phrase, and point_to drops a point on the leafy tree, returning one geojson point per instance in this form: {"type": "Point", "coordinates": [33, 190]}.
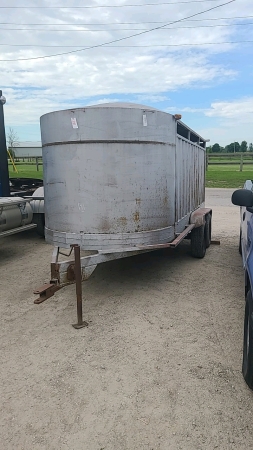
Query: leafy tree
{"type": "Point", "coordinates": [233, 147]}
{"type": "Point", "coordinates": [244, 146]}
{"type": "Point", "coordinates": [251, 147]}
{"type": "Point", "coordinates": [216, 148]}
{"type": "Point", "coordinates": [13, 141]}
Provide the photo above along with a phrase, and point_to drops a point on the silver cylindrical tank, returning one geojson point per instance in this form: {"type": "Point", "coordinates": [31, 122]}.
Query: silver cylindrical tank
{"type": "Point", "coordinates": [109, 176]}
{"type": "Point", "coordinates": [14, 213]}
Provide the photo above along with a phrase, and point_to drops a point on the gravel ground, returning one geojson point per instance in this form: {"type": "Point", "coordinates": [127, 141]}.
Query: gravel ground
{"type": "Point", "coordinates": [159, 366]}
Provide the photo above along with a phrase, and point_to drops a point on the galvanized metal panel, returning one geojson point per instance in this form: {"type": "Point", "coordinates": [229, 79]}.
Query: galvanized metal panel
{"type": "Point", "coordinates": [113, 176]}
{"type": "Point", "coordinates": [109, 188]}
{"type": "Point", "coordinates": [190, 177]}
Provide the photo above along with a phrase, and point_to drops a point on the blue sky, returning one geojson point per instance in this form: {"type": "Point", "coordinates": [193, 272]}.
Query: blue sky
{"type": "Point", "coordinates": [200, 67]}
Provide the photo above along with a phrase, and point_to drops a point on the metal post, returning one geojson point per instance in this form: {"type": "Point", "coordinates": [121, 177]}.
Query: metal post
{"type": "Point", "coordinates": [4, 171]}
{"type": "Point", "coordinates": [241, 163]}
{"type": "Point", "coordinates": [78, 276]}
{"type": "Point", "coordinates": [37, 164]}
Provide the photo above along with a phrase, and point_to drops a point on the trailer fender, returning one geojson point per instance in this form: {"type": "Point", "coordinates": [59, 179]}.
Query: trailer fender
{"type": "Point", "coordinates": [198, 217]}
{"type": "Point", "coordinates": [38, 205]}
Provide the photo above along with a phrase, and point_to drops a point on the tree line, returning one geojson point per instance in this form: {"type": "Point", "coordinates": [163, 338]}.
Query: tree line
{"type": "Point", "coordinates": [234, 147]}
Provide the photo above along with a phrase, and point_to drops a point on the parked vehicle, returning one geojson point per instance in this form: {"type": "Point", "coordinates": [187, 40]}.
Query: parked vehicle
{"type": "Point", "coordinates": [19, 214]}
{"type": "Point", "coordinates": [17, 211]}
{"type": "Point", "coordinates": [244, 199]}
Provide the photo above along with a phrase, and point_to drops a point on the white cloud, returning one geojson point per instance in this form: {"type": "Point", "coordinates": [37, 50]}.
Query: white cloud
{"type": "Point", "coordinates": [233, 120]}
{"type": "Point", "coordinates": [149, 73]}
{"type": "Point", "coordinates": [240, 110]}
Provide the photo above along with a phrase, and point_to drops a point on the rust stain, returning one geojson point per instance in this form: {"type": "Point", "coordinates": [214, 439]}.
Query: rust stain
{"type": "Point", "coordinates": [138, 201]}
{"type": "Point", "coordinates": [122, 221]}
{"type": "Point", "coordinates": [136, 216]}
{"type": "Point", "coordinates": [105, 225]}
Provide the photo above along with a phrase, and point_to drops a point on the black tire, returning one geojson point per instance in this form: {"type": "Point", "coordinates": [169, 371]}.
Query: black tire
{"type": "Point", "coordinates": [240, 243]}
{"type": "Point", "coordinates": [208, 230]}
{"type": "Point", "coordinates": [247, 363]}
{"type": "Point", "coordinates": [39, 219]}
{"type": "Point", "coordinates": [198, 242]}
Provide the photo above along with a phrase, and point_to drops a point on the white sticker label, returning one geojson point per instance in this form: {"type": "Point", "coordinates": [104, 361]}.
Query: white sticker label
{"type": "Point", "coordinates": [81, 207]}
{"type": "Point", "coordinates": [74, 122]}
{"type": "Point", "coordinates": [145, 122]}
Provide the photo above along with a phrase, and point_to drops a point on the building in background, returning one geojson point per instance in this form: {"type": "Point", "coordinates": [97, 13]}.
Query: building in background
{"type": "Point", "coordinates": [28, 152]}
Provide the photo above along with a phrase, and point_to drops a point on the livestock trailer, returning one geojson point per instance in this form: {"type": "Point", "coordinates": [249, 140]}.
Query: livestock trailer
{"type": "Point", "coordinates": [120, 179]}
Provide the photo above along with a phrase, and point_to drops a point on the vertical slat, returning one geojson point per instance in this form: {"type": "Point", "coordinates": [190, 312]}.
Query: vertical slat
{"type": "Point", "coordinates": [190, 170]}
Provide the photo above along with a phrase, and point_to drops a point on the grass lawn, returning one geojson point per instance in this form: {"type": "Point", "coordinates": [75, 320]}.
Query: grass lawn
{"type": "Point", "coordinates": [221, 176]}
{"type": "Point", "coordinates": [26, 171]}
{"type": "Point", "coordinates": [228, 176]}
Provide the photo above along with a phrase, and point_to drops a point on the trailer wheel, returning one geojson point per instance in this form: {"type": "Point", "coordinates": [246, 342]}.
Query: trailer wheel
{"type": "Point", "coordinates": [208, 230]}
{"type": "Point", "coordinates": [240, 243]}
{"type": "Point", "coordinates": [39, 219]}
{"type": "Point", "coordinates": [198, 242]}
{"type": "Point", "coordinates": [247, 364]}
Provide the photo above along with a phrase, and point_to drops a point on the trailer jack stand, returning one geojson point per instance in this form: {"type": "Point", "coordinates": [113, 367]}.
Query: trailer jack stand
{"type": "Point", "coordinates": [47, 290]}
{"type": "Point", "coordinates": [78, 276]}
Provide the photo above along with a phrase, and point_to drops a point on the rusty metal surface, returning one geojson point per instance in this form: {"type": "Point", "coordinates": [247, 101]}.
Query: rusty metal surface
{"type": "Point", "coordinates": [71, 272]}
{"type": "Point", "coordinates": [78, 278]}
{"type": "Point", "coordinates": [172, 244]}
{"type": "Point", "coordinates": [65, 269]}
{"type": "Point", "coordinates": [46, 291]}
{"type": "Point", "coordinates": [54, 271]}
{"type": "Point", "coordinates": [198, 216]}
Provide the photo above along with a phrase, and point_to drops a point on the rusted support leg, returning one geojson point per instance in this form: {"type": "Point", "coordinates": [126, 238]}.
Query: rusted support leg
{"type": "Point", "coordinates": [78, 276]}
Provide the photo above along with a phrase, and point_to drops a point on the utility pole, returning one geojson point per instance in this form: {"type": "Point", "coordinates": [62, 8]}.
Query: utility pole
{"type": "Point", "coordinates": [4, 171]}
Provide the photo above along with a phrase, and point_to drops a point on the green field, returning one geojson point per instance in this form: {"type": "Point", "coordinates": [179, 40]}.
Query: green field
{"type": "Point", "coordinates": [228, 176]}
{"type": "Point", "coordinates": [221, 176]}
{"type": "Point", "coordinates": [26, 171]}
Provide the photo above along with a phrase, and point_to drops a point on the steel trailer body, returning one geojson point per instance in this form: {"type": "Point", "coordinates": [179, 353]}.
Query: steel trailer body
{"type": "Point", "coordinates": [119, 180]}
{"type": "Point", "coordinates": [118, 176]}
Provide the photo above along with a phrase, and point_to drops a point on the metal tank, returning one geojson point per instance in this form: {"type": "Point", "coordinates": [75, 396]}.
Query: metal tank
{"type": "Point", "coordinates": [15, 215]}
{"type": "Point", "coordinates": [119, 175]}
